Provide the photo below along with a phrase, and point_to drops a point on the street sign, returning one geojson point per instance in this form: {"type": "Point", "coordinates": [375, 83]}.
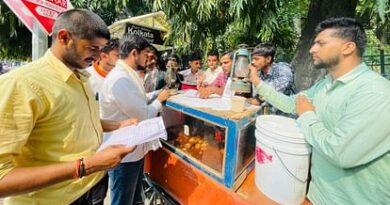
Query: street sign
{"type": "Point", "coordinates": [46, 11]}
{"type": "Point", "coordinates": [151, 35]}
{"type": "Point", "coordinates": [21, 12]}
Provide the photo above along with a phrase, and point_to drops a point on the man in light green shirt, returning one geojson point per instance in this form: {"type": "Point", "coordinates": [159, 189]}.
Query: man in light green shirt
{"type": "Point", "coordinates": [345, 117]}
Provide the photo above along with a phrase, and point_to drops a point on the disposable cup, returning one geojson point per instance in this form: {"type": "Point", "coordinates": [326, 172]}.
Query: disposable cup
{"type": "Point", "coordinates": [237, 103]}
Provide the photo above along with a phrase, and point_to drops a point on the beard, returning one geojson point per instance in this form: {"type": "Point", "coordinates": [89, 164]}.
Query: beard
{"type": "Point", "coordinates": [328, 63]}
{"type": "Point", "coordinates": [140, 68]}
{"type": "Point", "coordinates": [140, 65]}
{"type": "Point", "coordinates": [71, 58]}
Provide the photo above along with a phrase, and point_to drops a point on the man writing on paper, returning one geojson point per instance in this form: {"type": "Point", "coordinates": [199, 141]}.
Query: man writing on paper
{"type": "Point", "coordinates": [123, 95]}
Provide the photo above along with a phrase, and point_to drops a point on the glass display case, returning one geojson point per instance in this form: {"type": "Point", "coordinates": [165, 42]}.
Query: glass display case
{"type": "Point", "coordinates": [203, 142]}
{"type": "Point", "coordinates": [221, 147]}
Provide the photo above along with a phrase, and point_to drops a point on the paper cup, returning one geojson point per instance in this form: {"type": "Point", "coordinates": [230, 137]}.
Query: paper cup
{"type": "Point", "coordinates": [237, 103]}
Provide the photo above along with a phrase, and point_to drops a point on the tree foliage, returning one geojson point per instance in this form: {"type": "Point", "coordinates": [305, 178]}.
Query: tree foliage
{"type": "Point", "coordinates": [206, 24]}
{"type": "Point", "coordinates": [376, 16]}
{"type": "Point", "coordinates": [113, 10]}
{"type": "Point", "coordinates": [15, 38]}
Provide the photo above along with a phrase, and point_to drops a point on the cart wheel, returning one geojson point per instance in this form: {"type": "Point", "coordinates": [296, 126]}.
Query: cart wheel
{"type": "Point", "coordinates": [155, 194]}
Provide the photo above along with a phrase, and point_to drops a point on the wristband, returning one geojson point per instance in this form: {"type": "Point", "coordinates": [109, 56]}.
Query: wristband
{"type": "Point", "coordinates": [76, 174]}
{"type": "Point", "coordinates": [82, 168]}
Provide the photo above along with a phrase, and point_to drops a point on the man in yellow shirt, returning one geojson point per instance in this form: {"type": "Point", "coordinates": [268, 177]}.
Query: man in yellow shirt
{"type": "Point", "coordinates": [49, 121]}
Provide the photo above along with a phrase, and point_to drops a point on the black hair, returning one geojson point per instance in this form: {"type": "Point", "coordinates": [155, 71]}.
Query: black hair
{"type": "Point", "coordinates": [346, 28]}
{"type": "Point", "coordinates": [111, 45]}
{"type": "Point", "coordinates": [130, 42]}
{"type": "Point", "coordinates": [154, 49]}
{"type": "Point", "coordinates": [171, 56]}
{"type": "Point", "coordinates": [265, 49]}
{"type": "Point", "coordinates": [82, 23]}
{"type": "Point", "coordinates": [194, 56]}
{"type": "Point", "coordinates": [213, 53]}
{"type": "Point", "coordinates": [228, 52]}
{"type": "Point", "coordinates": [159, 62]}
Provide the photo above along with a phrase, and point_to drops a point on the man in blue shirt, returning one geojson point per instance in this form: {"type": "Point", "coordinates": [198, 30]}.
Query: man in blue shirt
{"type": "Point", "coordinates": [278, 75]}
{"type": "Point", "coordinates": [344, 117]}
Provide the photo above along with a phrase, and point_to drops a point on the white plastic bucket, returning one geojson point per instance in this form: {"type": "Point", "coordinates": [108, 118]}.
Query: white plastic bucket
{"type": "Point", "coordinates": [282, 159]}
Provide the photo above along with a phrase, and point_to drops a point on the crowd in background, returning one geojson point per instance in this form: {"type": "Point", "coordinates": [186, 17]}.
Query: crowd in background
{"type": "Point", "coordinates": [6, 66]}
{"type": "Point", "coordinates": [53, 118]}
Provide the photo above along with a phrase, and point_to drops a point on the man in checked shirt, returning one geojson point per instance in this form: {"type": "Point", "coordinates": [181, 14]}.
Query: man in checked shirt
{"type": "Point", "coordinates": [278, 75]}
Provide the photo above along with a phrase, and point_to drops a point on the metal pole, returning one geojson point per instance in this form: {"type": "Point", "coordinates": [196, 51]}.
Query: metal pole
{"type": "Point", "coordinates": [39, 41]}
{"type": "Point", "coordinates": [382, 60]}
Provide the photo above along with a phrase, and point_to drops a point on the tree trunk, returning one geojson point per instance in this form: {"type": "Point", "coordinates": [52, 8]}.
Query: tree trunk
{"type": "Point", "coordinates": [305, 73]}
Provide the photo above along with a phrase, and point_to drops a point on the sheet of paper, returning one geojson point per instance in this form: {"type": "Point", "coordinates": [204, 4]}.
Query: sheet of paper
{"type": "Point", "coordinates": [194, 94]}
{"type": "Point", "coordinates": [143, 132]}
{"type": "Point", "coordinates": [213, 103]}
{"type": "Point", "coordinates": [220, 103]}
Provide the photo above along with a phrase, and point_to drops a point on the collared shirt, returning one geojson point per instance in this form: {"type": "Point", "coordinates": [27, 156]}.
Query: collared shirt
{"type": "Point", "coordinates": [96, 78]}
{"type": "Point", "coordinates": [190, 78]}
{"type": "Point", "coordinates": [211, 75]}
{"type": "Point", "coordinates": [122, 97]}
{"type": "Point", "coordinates": [281, 78]}
{"type": "Point", "coordinates": [350, 135]}
{"type": "Point", "coordinates": [47, 116]}
{"type": "Point", "coordinates": [220, 81]}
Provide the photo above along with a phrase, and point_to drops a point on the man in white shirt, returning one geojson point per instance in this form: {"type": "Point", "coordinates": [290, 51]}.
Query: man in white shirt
{"type": "Point", "coordinates": [218, 86]}
{"type": "Point", "coordinates": [123, 95]}
{"type": "Point", "coordinates": [213, 69]}
{"type": "Point", "coordinates": [191, 75]}
{"type": "Point", "coordinates": [108, 56]}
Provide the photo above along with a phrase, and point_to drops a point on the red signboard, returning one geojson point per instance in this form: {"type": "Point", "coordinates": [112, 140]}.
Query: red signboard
{"type": "Point", "coordinates": [46, 11]}
{"type": "Point", "coordinates": [22, 12]}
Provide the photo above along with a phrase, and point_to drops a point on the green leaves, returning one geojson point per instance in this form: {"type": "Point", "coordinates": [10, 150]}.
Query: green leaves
{"type": "Point", "coordinates": [15, 38]}
{"type": "Point", "coordinates": [205, 24]}
{"type": "Point", "coordinates": [375, 15]}
{"type": "Point", "coordinates": [381, 8]}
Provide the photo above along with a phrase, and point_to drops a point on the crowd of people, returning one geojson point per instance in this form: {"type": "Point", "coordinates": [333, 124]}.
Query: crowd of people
{"type": "Point", "coordinates": [54, 113]}
{"type": "Point", "coordinates": [6, 66]}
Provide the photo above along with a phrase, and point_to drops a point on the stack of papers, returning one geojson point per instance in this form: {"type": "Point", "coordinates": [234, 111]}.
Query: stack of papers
{"type": "Point", "coordinates": [190, 98]}
{"type": "Point", "coordinates": [145, 131]}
